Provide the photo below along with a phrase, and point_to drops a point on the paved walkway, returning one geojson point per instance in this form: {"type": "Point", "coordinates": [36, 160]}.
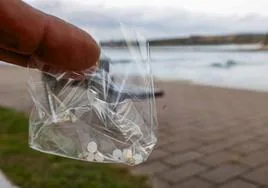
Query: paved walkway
{"type": "Point", "coordinates": [208, 137]}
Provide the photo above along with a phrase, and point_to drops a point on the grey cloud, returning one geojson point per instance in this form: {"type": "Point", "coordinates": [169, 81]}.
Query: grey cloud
{"type": "Point", "coordinates": [151, 22]}
{"type": "Point", "coordinates": [48, 6]}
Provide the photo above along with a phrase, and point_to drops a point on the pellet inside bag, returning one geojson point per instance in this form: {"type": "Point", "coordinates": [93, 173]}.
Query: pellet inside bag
{"type": "Point", "coordinates": [104, 115]}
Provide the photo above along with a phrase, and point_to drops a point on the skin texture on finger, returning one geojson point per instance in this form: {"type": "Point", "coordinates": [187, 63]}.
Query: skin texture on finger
{"type": "Point", "coordinates": [47, 39]}
{"type": "Point", "coordinates": [23, 61]}
{"type": "Point", "coordinates": [66, 46]}
{"type": "Point", "coordinates": [14, 58]}
{"type": "Point", "coordinates": [21, 26]}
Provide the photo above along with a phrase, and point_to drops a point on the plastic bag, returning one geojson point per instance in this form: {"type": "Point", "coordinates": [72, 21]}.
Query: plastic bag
{"type": "Point", "coordinates": [107, 115]}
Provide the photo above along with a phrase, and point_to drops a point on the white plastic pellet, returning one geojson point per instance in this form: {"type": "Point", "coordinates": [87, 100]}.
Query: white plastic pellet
{"type": "Point", "coordinates": [117, 154]}
{"type": "Point", "coordinates": [127, 154]}
{"type": "Point", "coordinates": [90, 157]}
{"type": "Point", "coordinates": [138, 158]}
{"type": "Point", "coordinates": [92, 147]}
{"type": "Point", "coordinates": [99, 157]}
{"type": "Point", "coordinates": [83, 155]}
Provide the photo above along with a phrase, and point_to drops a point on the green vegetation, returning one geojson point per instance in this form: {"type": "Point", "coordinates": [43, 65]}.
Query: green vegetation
{"type": "Point", "coordinates": [213, 40]}
{"type": "Point", "coordinates": [31, 169]}
{"type": "Point", "coordinates": [201, 40]}
{"type": "Point", "coordinates": [266, 40]}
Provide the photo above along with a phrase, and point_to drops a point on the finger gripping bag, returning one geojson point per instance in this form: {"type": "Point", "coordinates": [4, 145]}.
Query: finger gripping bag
{"type": "Point", "coordinates": [105, 114]}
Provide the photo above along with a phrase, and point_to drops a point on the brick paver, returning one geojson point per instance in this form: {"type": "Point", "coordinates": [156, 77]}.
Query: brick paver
{"type": "Point", "coordinates": [158, 183]}
{"type": "Point", "coordinates": [248, 147]}
{"type": "Point", "coordinates": [259, 175]}
{"type": "Point", "coordinates": [215, 147]}
{"type": "Point", "coordinates": [263, 139]}
{"type": "Point", "coordinates": [193, 183]}
{"type": "Point", "coordinates": [238, 184]}
{"type": "Point", "coordinates": [256, 158]}
{"type": "Point", "coordinates": [183, 172]}
{"type": "Point", "coordinates": [158, 154]}
{"type": "Point", "coordinates": [183, 146]}
{"type": "Point", "coordinates": [178, 159]}
{"type": "Point", "coordinates": [224, 173]}
{"type": "Point", "coordinates": [218, 158]}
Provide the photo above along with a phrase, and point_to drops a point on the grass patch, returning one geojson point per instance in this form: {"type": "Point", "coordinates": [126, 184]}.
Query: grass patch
{"type": "Point", "coordinates": [28, 168]}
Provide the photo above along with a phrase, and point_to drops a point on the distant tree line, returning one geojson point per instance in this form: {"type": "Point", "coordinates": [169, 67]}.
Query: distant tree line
{"type": "Point", "coordinates": [266, 40]}
{"type": "Point", "coordinates": [201, 40]}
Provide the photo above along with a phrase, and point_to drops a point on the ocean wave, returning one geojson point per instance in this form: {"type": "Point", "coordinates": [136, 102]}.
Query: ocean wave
{"type": "Point", "coordinates": [153, 60]}
{"type": "Point", "coordinates": [231, 63]}
{"type": "Point", "coordinates": [183, 62]}
{"type": "Point", "coordinates": [226, 65]}
{"type": "Point", "coordinates": [122, 61]}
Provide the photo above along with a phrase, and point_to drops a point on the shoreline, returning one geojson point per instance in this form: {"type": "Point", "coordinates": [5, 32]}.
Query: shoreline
{"type": "Point", "coordinates": [17, 77]}
{"type": "Point", "coordinates": [189, 82]}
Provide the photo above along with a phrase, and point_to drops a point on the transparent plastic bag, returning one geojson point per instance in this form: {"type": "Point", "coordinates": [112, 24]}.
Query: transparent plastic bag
{"type": "Point", "coordinates": [107, 115]}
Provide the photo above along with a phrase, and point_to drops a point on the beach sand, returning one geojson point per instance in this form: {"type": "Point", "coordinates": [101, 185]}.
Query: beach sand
{"type": "Point", "coordinates": [13, 87]}
{"type": "Point", "coordinates": [207, 134]}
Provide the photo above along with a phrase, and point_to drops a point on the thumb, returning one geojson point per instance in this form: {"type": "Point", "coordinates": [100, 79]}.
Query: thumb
{"type": "Point", "coordinates": [26, 33]}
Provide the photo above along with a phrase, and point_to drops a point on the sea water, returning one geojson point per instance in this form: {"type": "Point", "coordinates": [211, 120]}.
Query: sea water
{"type": "Point", "coordinates": [235, 66]}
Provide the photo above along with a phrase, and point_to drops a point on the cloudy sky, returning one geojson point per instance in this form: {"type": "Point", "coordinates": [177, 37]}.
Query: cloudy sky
{"type": "Point", "coordinates": [160, 18]}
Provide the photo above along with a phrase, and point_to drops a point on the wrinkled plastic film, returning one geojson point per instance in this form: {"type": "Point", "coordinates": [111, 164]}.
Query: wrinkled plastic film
{"type": "Point", "coordinates": [100, 115]}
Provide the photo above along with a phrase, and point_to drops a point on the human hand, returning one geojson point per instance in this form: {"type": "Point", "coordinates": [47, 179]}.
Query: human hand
{"type": "Point", "coordinates": [29, 37]}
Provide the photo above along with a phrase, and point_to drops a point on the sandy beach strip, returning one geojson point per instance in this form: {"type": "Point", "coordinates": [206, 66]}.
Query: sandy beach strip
{"type": "Point", "coordinates": [13, 87]}
{"type": "Point", "coordinates": [178, 94]}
